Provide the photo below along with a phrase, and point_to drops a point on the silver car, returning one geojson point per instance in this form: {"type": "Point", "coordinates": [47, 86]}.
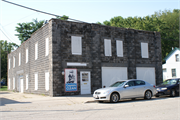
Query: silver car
{"type": "Point", "coordinates": [124, 89]}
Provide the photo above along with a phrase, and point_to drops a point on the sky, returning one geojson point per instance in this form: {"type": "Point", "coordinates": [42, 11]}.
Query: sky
{"type": "Point", "coordinates": [90, 11]}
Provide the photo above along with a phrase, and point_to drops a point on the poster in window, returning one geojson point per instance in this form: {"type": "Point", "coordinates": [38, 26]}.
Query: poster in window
{"type": "Point", "coordinates": [70, 80]}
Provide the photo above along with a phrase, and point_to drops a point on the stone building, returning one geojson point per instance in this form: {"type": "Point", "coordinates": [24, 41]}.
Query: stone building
{"type": "Point", "coordinates": [92, 55]}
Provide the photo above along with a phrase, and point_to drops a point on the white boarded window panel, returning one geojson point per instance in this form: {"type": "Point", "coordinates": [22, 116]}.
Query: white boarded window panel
{"type": "Point", "coordinates": [9, 63]}
{"type": "Point", "coordinates": [76, 45]}
{"type": "Point", "coordinates": [36, 51]}
{"type": "Point", "coordinates": [47, 46]}
{"type": "Point", "coordinates": [9, 83]}
{"type": "Point", "coordinates": [107, 47]}
{"type": "Point", "coordinates": [47, 81]}
{"type": "Point", "coordinates": [144, 50]}
{"type": "Point", "coordinates": [119, 48]}
{"type": "Point", "coordinates": [36, 81]}
{"type": "Point", "coordinates": [19, 59]}
{"type": "Point", "coordinates": [13, 83]}
{"type": "Point", "coordinates": [14, 62]}
{"type": "Point", "coordinates": [26, 55]}
{"type": "Point", "coordinates": [27, 81]}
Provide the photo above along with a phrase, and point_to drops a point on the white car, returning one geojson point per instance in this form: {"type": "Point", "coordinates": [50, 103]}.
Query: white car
{"type": "Point", "coordinates": [124, 89]}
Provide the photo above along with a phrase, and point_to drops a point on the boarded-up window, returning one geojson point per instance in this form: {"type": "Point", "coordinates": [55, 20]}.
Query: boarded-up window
{"type": "Point", "coordinates": [47, 46]}
{"type": "Point", "coordinates": [19, 59]}
{"type": "Point", "coordinates": [107, 47]}
{"type": "Point", "coordinates": [27, 81]}
{"type": "Point", "coordinates": [14, 62]}
{"type": "Point", "coordinates": [36, 81]}
{"type": "Point", "coordinates": [26, 55]}
{"type": "Point", "coordinates": [76, 45]}
{"type": "Point", "coordinates": [9, 83]}
{"type": "Point", "coordinates": [13, 83]}
{"type": "Point", "coordinates": [36, 51]}
{"type": "Point", "coordinates": [119, 48]}
{"type": "Point", "coordinates": [47, 81]}
{"type": "Point", "coordinates": [9, 63]}
{"type": "Point", "coordinates": [144, 50]}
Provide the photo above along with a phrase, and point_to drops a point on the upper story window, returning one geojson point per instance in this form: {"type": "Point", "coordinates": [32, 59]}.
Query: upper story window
{"type": "Point", "coordinates": [36, 51]}
{"type": "Point", "coordinates": [119, 48]}
{"type": "Point", "coordinates": [9, 63]}
{"type": "Point", "coordinates": [144, 50]}
{"type": "Point", "coordinates": [76, 45]}
{"type": "Point", "coordinates": [107, 47]}
{"type": "Point", "coordinates": [177, 57]}
{"type": "Point", "coordinates": [14, 61]}
{"type": "Point", "coordinates": [26, 55]}
{"type": "Point", "coordinates": [19, 59]}
{"type": "Point", "coordinates": [47, 47]}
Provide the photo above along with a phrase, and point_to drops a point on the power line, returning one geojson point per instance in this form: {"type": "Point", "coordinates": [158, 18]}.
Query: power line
{"type": "Point", "coordinates": [42, 11]}
{"type": "Point", "coordinates": [5, 34]}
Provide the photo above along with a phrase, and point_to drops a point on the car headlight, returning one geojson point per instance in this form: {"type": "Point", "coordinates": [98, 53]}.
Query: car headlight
{"type": "Point", "coordinates": [163, 88]}
{"type": "Point", "coordinates": [107, 92]}
{"type": "Point", "coordinates": [157, 89]}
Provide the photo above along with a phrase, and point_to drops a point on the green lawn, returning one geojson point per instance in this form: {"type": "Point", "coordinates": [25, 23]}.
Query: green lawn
{"type": "Point", "coordinates": [4, 88]}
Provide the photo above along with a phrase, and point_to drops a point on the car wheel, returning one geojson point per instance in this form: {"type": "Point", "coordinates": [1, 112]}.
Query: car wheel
{"type": "Point", "coordinates": [114, 98]}
{"type": "Point", "coordinates": [148, 95]}
{"type": "Point", "coordinates": [173, 93]}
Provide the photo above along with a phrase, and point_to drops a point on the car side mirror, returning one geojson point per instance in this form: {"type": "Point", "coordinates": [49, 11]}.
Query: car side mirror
{"type": "Point", "coordinates": [126, 86]}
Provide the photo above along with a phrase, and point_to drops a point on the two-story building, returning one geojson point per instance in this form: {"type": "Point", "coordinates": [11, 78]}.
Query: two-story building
{"type": "Point", "coordinates": [68, 58]}
{"type": "Point", "coordinates": [171, 69]}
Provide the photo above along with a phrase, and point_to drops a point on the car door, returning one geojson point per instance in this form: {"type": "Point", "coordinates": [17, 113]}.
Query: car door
{"type": "Point", "coordinates": [139, 88]}
{"type": "Point", "coordinates": [129, 92]}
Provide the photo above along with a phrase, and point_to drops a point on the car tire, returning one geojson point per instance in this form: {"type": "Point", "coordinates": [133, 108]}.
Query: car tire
{"type": "Point", "coordinates": [114, 98]}
{"type": "Point", "coordinates": [173, 93]}
{"type": "Point", "coordinates": [100, 101]}
{"type": "Point", "coordinates": [148, 95]}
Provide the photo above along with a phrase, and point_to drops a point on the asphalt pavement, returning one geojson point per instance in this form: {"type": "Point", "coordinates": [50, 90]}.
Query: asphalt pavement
{"type": "Point", "coordinates": [18, 106]}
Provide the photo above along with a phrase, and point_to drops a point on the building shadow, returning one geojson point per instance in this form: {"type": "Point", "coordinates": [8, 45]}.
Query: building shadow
{"type": "Point", "coordinates": [4, 101]}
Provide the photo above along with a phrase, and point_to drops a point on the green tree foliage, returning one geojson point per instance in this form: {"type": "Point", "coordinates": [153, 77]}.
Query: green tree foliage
{"type": "Point", "coordinates": [165, 22]}
{"type": "Point", "coordinates": [64, 17]}
{"type": "Point", "coordinates": [5, 49]}
{"type": "Point", "coordinates": [26, 29]}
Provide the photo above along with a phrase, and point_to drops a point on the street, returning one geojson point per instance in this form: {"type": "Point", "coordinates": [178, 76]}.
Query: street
{"type": "Point", "coordinates": [82, 107]}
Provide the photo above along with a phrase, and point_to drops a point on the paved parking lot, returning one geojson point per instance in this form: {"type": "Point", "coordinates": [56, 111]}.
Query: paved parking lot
{"type": "Point", "coordinates": [38, 107]}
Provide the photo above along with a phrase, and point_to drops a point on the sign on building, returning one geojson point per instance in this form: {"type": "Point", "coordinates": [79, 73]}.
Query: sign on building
{"type": "Point", "coordinates": [70, 80]}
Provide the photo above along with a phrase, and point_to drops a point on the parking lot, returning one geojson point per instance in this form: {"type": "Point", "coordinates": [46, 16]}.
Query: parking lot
{"type": "Point", "coordinates": [82, 107]}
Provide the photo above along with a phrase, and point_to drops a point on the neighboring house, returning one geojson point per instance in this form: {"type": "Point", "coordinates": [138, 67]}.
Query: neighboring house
{"type": "Point", "coordinates": [68, 58]}
{"type": "Point", "coordinates": [171, 69]}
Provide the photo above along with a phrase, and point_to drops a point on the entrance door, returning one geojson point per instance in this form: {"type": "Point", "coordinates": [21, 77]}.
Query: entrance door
{"type": "Point", "coordinates": [85, 82]}
{"type": "Point", "coordinates": [21, 85]}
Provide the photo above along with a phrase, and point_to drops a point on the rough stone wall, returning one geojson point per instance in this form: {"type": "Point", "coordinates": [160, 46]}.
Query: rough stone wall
{"type": "Point", "coordinates": [41, 65]}
{"type": "Point", "coordinates": [93, 36]}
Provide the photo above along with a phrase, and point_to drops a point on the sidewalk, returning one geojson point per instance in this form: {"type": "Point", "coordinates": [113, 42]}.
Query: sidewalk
{"type": "Point", "coordinates": [23, 97]}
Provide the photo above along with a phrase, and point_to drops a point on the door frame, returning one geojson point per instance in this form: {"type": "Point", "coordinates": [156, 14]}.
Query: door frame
{"type": "Point", "coordinates": [89, 77]}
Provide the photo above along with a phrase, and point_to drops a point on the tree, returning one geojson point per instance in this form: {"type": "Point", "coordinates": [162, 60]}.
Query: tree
{"type": "Point", "coordinates": [5, 48]}
{"type": "Point", "coordinates": [64, 17]}
{"type": "Point", "coordinates": [26, 29]}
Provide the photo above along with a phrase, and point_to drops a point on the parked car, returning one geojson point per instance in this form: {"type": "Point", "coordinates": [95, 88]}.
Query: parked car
{"type": "Point", "coordinates": [3, 82]}
{"type": "Point", "coordinates": [168, 87]}
{"type": "Point", "coordinates": [124, 89]}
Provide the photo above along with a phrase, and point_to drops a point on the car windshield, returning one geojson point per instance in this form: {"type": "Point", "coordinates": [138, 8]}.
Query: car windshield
{"type": "Point", "coordinates": [117, 84]}
{"type": "Point", "coordinates": [169, 82]}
